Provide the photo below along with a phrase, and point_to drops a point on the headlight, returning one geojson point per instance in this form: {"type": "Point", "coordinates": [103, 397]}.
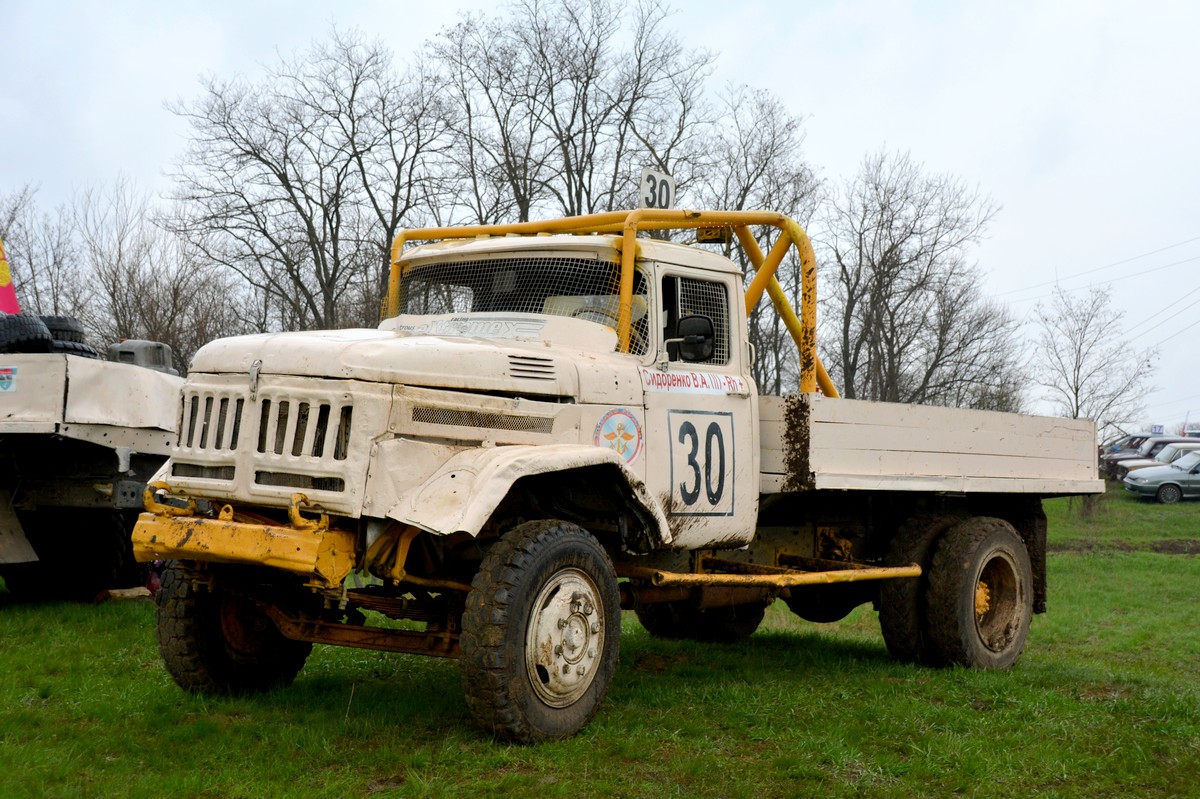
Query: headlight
{"type": "Point", "coordinates": [1137, 479]}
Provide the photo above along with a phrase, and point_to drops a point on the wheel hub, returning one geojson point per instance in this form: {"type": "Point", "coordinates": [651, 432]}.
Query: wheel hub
{"type": "Point", "coordinates": [565, 638]}
{"type": "Point", "coordinates": [983, 598]}
{"type": "Point", "coordinates": [998, 602]}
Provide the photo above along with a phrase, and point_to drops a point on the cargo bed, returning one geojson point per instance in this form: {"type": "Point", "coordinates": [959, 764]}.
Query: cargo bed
{"type": "Point", "coordinates": [814, 442]}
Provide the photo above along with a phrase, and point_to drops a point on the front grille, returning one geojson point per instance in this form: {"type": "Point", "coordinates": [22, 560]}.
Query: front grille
{"type": "Point", "coordinates": [304, 429]}
{"type": "Point", "coordinates": [290, 436]}
{"type": "Point", "coordinates": [483, 420]}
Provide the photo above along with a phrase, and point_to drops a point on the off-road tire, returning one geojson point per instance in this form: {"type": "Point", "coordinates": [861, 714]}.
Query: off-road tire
{"type": "Point", "coordinates": [64, 328]}
{"type": "Point", "coordinates": [980, 598]}
{"type": "Point", "coordinates": [902, 617]}
{"type": "Point", "coordinates": [23, 333]}
{"type": "Point", "coordinates": [74, 348]}
{"type": "Point", "coordinates": [1169, 494]}
{"type": "Point", "coordinates": [514, 685]}
{"type": "Point", "coordinates": [685, 621]}
{"type": "Point", "coordinates": [214, 640]}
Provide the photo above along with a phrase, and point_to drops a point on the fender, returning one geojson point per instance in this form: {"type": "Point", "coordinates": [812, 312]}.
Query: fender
{"type": "Point", "coordinates": [462, 494]}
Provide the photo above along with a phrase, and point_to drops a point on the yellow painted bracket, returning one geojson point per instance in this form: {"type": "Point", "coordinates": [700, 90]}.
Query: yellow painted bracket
{"type": "Point", "coordinates": [627, 224]}
{"type": "Point", "coordinates": [311, 549]}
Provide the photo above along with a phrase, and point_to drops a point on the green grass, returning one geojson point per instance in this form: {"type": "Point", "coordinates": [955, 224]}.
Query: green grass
{"type": "Point", "coordinates": [1104, 703]}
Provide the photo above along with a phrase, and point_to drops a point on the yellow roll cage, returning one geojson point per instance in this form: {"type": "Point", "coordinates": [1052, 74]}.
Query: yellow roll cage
{"type": "Point", "coordinates": [628, 224]}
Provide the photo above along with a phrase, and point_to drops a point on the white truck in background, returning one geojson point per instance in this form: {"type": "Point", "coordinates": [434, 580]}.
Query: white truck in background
{"type": "Point", "coordinates": [79, 438]}
{"type": "Point", "coordinates": [557, 422]}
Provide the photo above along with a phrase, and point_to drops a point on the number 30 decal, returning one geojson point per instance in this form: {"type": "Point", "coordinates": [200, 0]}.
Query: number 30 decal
{"type": "Point", "coordinates": [702, 456]}
{"type": "Point", "coordinates": [658, 189]}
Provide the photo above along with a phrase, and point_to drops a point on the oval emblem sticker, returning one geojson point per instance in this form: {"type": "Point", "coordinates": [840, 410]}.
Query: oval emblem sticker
{"type": "Point", "coordinates": [620, 431]}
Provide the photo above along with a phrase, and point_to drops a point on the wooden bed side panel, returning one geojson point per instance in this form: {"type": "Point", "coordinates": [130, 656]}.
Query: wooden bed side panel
{"type": "Point", "coordinates": [818, 442]}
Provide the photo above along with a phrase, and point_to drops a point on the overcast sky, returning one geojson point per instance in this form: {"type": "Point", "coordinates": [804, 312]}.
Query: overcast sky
{"type": "Point", "coordinates": [1080, 119]}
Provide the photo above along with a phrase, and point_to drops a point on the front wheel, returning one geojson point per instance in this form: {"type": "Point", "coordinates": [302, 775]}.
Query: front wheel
{"type": "Point", "coordinates": [540, 633]}
{"type": "Point", "coordinates": [980, 598]}
{"type": "Point", "coordinates": [214, 639]}
{"type": "Point", "coordinates": [1169, 494]}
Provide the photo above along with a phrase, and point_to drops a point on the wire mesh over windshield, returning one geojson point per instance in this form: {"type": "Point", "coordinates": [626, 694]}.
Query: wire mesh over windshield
{"type": "Point", "coordinates": [582, 288]}
{"type": "Point", "coordinates": [707, 298]}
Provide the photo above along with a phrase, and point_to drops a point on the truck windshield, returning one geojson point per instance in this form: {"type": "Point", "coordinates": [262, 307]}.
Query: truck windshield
{"type": "Point", "coordinates": [582, 288]}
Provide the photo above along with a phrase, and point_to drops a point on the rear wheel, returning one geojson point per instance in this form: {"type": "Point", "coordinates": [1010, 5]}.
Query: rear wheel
{"type": "Point", "coordinates": [214, 639]}
{"type": "Point", "coordinates": [540, 633]}
{"type": "Point", "coordinates": [902, 602]}
{"type": "Point", "coordinates": [1169, 494]}
{"type": "Point", "coordinates": [980, 598]}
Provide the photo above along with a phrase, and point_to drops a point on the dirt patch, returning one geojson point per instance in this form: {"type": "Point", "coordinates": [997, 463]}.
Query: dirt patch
{"type": "Point", "coordinates": [1177, 547]}
{"type": "Point", "coordinates": [1170, 546]}
{"type": "Point", "coordinates": [385, 783]}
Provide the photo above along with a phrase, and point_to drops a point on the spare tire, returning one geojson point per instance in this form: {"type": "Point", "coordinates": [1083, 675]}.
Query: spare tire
{"type": "Point", "coordinates": [65, 328]}
{"type": "Point", "coordinates": [75, 348]}
{"type": "Point", "coordinates": [24, 333]}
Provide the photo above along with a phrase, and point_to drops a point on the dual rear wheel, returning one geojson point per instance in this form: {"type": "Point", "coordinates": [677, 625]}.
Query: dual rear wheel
{"type": "Point", "coordinates": [973, 603]}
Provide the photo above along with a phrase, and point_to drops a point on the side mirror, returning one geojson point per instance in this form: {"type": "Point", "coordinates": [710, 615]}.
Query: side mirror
{"type": "Point", "coordinates": [696, 339]}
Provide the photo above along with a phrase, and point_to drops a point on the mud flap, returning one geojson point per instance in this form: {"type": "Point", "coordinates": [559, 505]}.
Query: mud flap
{"type": "Point", "coordinates": [14, 546]}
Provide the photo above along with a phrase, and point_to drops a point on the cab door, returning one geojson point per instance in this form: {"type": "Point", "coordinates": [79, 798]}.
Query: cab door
{"type": "Point", "coordinates": [702, 415]}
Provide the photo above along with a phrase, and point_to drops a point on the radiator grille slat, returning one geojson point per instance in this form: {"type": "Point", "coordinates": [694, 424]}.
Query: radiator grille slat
{"type": "Point", "coordinates": [211, 422]}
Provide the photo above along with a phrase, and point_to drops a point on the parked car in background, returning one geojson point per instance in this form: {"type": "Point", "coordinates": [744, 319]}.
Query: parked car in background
{"type": "Point", "coordinates": [1148, 449]}
{"type": "Point", "coordinates": [1168, 484]}
{"type": "Point", "coordinates": [1129, 441]}
{"type": "Point", "coordinates": [1168, 454]}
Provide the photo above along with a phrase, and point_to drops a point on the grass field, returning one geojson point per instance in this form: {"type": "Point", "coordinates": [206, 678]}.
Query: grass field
{"type": "Point", "coordinates": [1104, 703]}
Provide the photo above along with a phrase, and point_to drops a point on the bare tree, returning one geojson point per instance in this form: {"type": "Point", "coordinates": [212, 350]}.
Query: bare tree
{"type": "Point", "coordinates": [13, 206]}
{"type": "Point", "coordinates": [148, 283]}
{"type": "Point", "coordinates": [43, 255]}
{"type": "Point", "coordinates": [1087, 370]}
{"type": "Point", "coordinates": [560, 106]}
{"type": "Point", "coordinates": [753, 160]}
{"type": "Point", "coordinates": [118, 246]}
{"type": "Point", "coordinates": [902, 301]}
{"type": "Point", "coordinates": [500, 154]}
{"type": "Point", "coordinates": [299, 181]}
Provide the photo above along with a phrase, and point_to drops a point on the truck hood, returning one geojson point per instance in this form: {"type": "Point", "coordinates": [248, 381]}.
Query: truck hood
{"type": "Point", "coordinates": [483, 352]}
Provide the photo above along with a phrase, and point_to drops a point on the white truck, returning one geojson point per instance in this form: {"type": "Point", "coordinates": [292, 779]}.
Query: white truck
{"type": "Point", "coordinates": [79, 437]}
{"type": "Point", "coordinates": [557, 422]}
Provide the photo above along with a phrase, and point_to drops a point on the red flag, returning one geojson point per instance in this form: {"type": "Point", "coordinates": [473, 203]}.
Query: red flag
{"type": "Point", "coordinates": [8, 295]}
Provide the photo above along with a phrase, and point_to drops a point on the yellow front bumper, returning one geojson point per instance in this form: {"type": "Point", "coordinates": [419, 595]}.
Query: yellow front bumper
{"type": "Point", "coordinates": [305, 547]}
